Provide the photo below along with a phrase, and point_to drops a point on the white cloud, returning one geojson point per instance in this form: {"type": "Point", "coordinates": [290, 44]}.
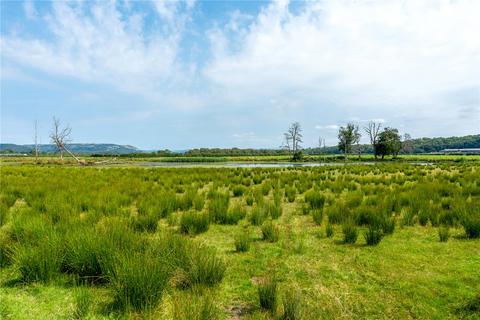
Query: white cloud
{"type": "Point", "coordinates": [389, 53]}
{"type": "Point", "coordinates": [328, 127]}
{"type": "Point", "coordinates": [100, 43]}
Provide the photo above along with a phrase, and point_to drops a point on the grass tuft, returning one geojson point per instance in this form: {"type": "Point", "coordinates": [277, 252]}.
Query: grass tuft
{"type": "Point", "coordinates": [267, 294]}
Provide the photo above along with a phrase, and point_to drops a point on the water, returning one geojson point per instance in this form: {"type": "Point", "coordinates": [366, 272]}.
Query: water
{"type": "Point", "coordinates": [243, 164]}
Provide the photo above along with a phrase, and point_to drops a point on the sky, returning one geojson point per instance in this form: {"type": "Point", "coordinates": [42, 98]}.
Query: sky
{"type": "Point", "coordinates": [187, 74]}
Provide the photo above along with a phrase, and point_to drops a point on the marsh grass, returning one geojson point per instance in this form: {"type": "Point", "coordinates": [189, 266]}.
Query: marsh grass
{"type": "Point", "coordinates": [471, 224]}
{"type": "Point", "coordinates": [193, 223]}
{"type": "Point", "coordinates": [315, 199]}
{"type": "Point", "coordinates": [195, 306]}
{"type": "Point", "coordinates": [83, 300]}
{"type": "Point", "coordinates": [373, 235]}
{"type": "Point", "coordinates": [292, 308]}
{"type": "Point", "coordinates": [350, 232]}
{"type": "Point", "coordinates": [63, 225]}
{"type": "Point", "coordinates": [329, 230]}
{"type": "Point", "coordinates": [270, 231]}
{"type": "Point", "coordinates": [41, 262]}
{"type": "Point", "coordinates": [267, 294]}
{"type": "Point", "coordinates": [443, 233]}
{"type": "Point", "coordinates": [218, 207]}
{"type": "Point", "coordinates": [242, 241]}
{"type": "Point", "coordinates": [317, 215]}
{"type": "Point", "coordinates": [258, 215]}
{"type": "Point", "coordinates": [138, 281]}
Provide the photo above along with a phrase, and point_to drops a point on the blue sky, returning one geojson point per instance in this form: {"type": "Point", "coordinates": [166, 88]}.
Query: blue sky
{"type": "Point", "coordinates": [185, 74]}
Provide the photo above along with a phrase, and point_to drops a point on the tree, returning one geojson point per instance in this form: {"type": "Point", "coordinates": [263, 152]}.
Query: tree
{"type": "Point", "coordinates": [293, 140]}
{"type": "Point", "coordinates": [36, 142]}
{"type": "Point", "coordinates": [347, 137]}
{"type": "Point", "coordinates": [373, 130]}
{"type": "Point", "coordinates": [407, 144]}
{"type": "Point", "coordinates": [60, 137]}
{"type": "Point", "coordinates": [389, 142]}
{"type": "Point", "coordinates": [321, 147]}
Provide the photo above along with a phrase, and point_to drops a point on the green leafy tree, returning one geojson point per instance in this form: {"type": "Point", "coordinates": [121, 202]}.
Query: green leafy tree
{"type": "Point", "coordinates": [347, 137]}
{"type": "Point", "coordinates": [389, 143]}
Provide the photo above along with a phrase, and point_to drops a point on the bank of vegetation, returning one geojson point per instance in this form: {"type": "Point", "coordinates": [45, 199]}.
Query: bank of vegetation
{"type": "Point", "coordinates": [216, 243]}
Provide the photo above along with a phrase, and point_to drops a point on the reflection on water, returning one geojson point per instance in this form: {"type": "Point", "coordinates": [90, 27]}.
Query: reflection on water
{"type": "Point", "coordinates": [244, 164]}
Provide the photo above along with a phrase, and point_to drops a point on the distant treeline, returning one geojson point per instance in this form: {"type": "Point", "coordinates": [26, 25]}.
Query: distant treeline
{"type": "Point", "coordinates": [426, 145]}
{"type": "Point", "coordinates": [421, 145]}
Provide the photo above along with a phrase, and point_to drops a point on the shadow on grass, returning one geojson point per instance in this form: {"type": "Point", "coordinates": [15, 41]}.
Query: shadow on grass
{"type": "Point", "coordinates": [12, 283]}
{"type": "Point", "coordinates": [469, 308]}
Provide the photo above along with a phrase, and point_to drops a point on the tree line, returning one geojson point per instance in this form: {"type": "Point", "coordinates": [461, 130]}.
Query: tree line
{"type": "Point", "coordinates": [383, 142]}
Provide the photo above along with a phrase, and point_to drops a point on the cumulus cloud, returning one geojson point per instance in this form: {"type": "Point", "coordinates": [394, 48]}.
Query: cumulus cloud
{"type": "Point", "coordinates": [106, 42]}
{"type": "Point", "coordinates": [393, 53]}
{"type": "Point", "coordinates": [404, 63]}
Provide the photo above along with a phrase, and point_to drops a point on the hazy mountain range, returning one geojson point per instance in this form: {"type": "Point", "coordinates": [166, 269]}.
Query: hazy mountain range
{"type": "Point", "coordinates": [79, 148]}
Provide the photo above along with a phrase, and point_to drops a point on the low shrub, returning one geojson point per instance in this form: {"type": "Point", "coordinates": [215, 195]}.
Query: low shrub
{"type": "Point", "coordinates": [267, 294]}
{"type": "Point", "coordinates": [270, 232]}
{"type": "Point", "coordinates": [192, 223]}
{"type": "Point", "coordinates": [443, 233]}
{"type": "Point", "coordinates": [350, 232]}
{"type": "Point", "coordinates": [242, 242]}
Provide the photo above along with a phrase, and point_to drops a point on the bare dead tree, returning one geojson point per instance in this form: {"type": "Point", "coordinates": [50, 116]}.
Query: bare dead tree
{"type": "Point", "coordinates": [373, 131]}
{"type": "Point", "coordinates": [407, 145]}
{"type": "Point", "coordinates": [61, 137]}
{"type": "Point", "coordinates": [293, 140]}
{"type": "Point", "coordinates": [36, 142]}
{"type": "Point", "coordinates": [321, 147]}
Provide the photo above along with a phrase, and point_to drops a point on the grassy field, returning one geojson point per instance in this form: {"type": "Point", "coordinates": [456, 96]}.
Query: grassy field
{"type": "Point", "coordinates": [390, 241]}
{"type": "Point", "coordinates": [132, 161]}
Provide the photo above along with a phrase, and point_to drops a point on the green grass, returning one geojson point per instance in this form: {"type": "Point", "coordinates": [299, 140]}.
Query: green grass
{"type": "Point", "coordinates": [71, 249]}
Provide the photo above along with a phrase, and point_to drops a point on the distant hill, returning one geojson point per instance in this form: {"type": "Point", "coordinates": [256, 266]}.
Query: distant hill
{"type": "Point", "coordinates": [421, 145]}
{"type": "Point", "coordinates": [78, 148]}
